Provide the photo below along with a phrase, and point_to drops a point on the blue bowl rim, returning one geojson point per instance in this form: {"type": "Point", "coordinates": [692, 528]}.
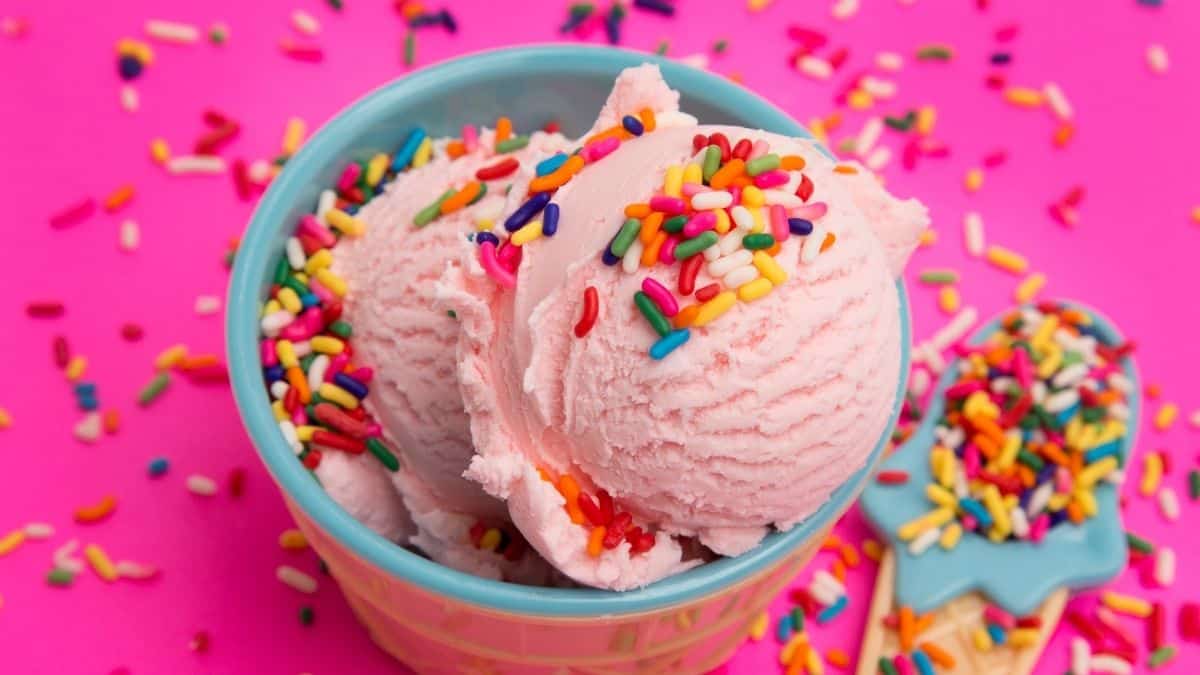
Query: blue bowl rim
{"type": "Point", "coordinates": [256, 252]}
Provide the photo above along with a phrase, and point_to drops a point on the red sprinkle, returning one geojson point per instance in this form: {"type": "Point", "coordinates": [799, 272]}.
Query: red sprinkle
{"type": "Point", "coordinates": [62, 351]}
{"type": "Point", "coordinates": [708, 292]}
{"type": "Point", "coordinates": [551, 127]}
{"type": "Point", "coordinates": [241, 179]}
{"type": "Point", "coordinates": [1074, 196]}
{"type": "Point", "coordinates": [891, 477]}
{"type": "Point", "coordinates": [995, 81]}
{"type": "Point", "coordinates": [199, 643]}
{"type": "Point", "coordinates": [616, 529]}
{"type": "Point", "coordinates": [807, 36]}
{"type": "Point", "coordinates": [805, 190]}
{"type": "Point", "coordinates": [837, 58]}
{"type": "Point", "coordinates": [211, 142]}
{"type": "Point", "coordinates": [1006, 33]}
{"type": "Point", "coordinates": [718, 139]}
{"type": "Point", "coordinates": [499, 170]}
{"type": "Point", "coordinates": [590, 509]}
{"type": "Point", "coordinates": [47, 309]}
{"type": "Point", "coordinates": [1029, 622]}
{"type": "Point", "coordinates": [1156, 627]}
{"type": "Point", "coordinates": [215, 118]}
{"type": "Point", "coordinates": [237, 482]}
{"type": "Point", "coordinates": [742, 149]}
{"type": "Point", "coordinates": [312, 460]}
{"type": "Point", "coordinates": [688, 272]}
{"type": "Point", "coordinates": [132, 332]}
{"type": "Point", "coordinates": [591, 308]}
{"type": "Point", "coordinates": [337, 441]}
{"type": "Point", "coordinates": [74, 214]}
{"type": "Point", "coordinates": [995, 159]}
{"type": "Point", "coordinates": [1086, 626]}
{"type": "Point", "coordinates": [699, 141]}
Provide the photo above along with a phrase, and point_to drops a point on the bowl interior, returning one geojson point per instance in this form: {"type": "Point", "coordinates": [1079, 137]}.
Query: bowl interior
{"type": "Point", "coordinates": [531, 85]}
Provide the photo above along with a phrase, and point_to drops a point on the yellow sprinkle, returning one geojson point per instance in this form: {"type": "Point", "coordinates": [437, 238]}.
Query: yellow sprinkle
{"type": "Point", "coordinates": [973, 180]}
{"type": "Point", "coordinates": [1051, 361]}
{"type": "Point", "coordinates": [286, 353]}
{"type": "Point", "coordinates": [819, 132]}
{"type": "Point", "coordinates": [292, 540]}
{"type": "Point", "coordinates": [301, 277]}
{"type": "Point", "coordinates": [980, 405]}
{"type": "Point", "coordinates": [527, 233]}
{"type": "Point", "coordinates": [995, 506]}
{"type": "Point", "coordinates": [1112, 430]}
{"type": "Point", "coordinates": [928, 237]}
{"type": "Point", "coordinates": [1029, 288]}
{"type": "Point", "coordinates": [1042, 336]}
{"type": "Point", "coordinates": [789, 649]}
{"type": "Point", "coordinates": [333, 393]}
{"type": "Point", "coordinates": [1126, 604]}
{"type": "Point", "coordinates": [160, 151]}
{"type": "Point", "coordinates": [946, 470]}
{"type": "Point", "coordinates": [290, 300]}
{"type": "Point", "coordinates": [327, 344]}
{"type": "Point", "coordinates": [490, 539]}
{"type": "Point", "coordinates": [1024, 97]}
{"type": "Point", "coordinates": [948, 299]}
{"type": "Point", "coordinates": [279, 411]}
{"type": "Point", "coordinates": [1008, 453]}
{"type": "Point", "coordinates": [760, 222]}
{"type": "Point", "coordinates": [715, 307]}
{"type": "Point", "coordinates": [983, 641]}
{"type": "Point", "coordinates": [271, 307]}
{"type": "Point", "coordinates": [1196, 214]}
{"type": "Point", "coordinates": [941, 496]}
{"type": "Point", "coordinates": [376, 168]}
{"type": "Point", "coordinates": [684, 620]}
{"type": "Point", "coordinates": [693, 173]}
{"type": "Point", "coordinates": [293, 135]}
{"type": "Point", "coordinates": [1165, 416]}
{"type": "Point", "coordinates": [10, 541]}
{"type": "Point", "coordinates": [101, 564]}
{"type": "Point", "coordinates": [950, 536]}
{"type": "Point", "coordinates": [723, 223]}
{"type": "Point", "coordinates": [673, 181]}
{"type": "Point", "coordinates": [860, 99]}
{"type": "Point", "coordinates": [317, 261]}
{"type": "Point", "coordinates": [1095, 471]}
{"type": "Point", "coordinates": [5, 419]}
{"type": "Point", "coordinates": [769, 267]}
{"type": "Point", "coordinates": [758, 629]}
{"type": "Point", "coordinates": [345, 223]}
{"type": "Point", "coordinates": [423, 153]}
{"type": "Point", "coordinates": [752, 197]}
{"type": "Point", "coordinates": [1087, 502]}
{"type": "Point", "coordinates": [333, 282]}
{"type": "Point", "coordinates": [757, 5]}
{"type": "Point", "coordinates": [1007, 260]}
{"type": "Point", "coordinates": [76, 367]}
{"type": "Point", "coordinates": [753, 290]}
{"type": "Point", "coordinates": [1151, 474]}
{"type": "Point", "coordinates": [1023, 637]}
{"type": "Point", "coordinates": [484, 224]}
{"type": "Point", "coordinates": [926, 119]}
{"type": "Point", "coordinates": [928, 521]}
{"type": "Point", "coordinates": [872, 549]}
{"type": "Point", "coordinates": [813, 662]}
{"type": "Point", "coordinates": [1058, 502]}
{"type": "Point", "coordinates": [304, 432]}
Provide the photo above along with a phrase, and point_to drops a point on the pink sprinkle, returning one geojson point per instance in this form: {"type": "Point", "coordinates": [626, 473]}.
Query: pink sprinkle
{"type": "Point", "coordinates": [814, 211]}
{"type": "Point", "coordinates": [594, 152]}
{"type": "Point", "coordinates": [969, 523]}
{"type": "Point", "coordinates": [267, 352]}
{"type": "Point", "coordinates": [993, 614]}
{"type": "Point", "coordinates": [314, 320]}
{"type": "Point", "coordinates": [1055, 437]}
{"type": "Point", "coordinates": [349, 176]}
{"type": "Point", "coordinates": [908, 158]}
{"type": "Point", "coordinates": [299, 416]}
{"type": "Point", "coordinates": [964, 389]}
{"type": "Point", "coordinates": [363, 374]}
{"type": "Point", "coordinates": [374, 430]}
{"type": "Point", "coordinates": [997, 398]}
{"type": "Point", "coordinates": [1007, 32]}
{"type": "Point", "coordinates": [312, 227]}
{"type": "Point", "coordinates": [838, 57]}
{"type": "Point", "coordinates": [487, 258]}
{"type": "Point", "coordinates": [296, 330]}
{"type": "Point", "coordinates": [931, 147]}
{"type": "Point", "coordinates": [509, 256]}
{"type": "Point", "coordinates": [971, 460]}
{"type": "Point", "coordinates": [760, 148]}
{"type": "Point", "coordinates": [691, 189]}
{"type": "Point", "coordinates": [901, 663]}
{"type": "Point", "coordinates": [470, 137]}
{"type": "Point", "coordinates": [736, 191]}
{"type": "Point", "coordinates": [770, 179]}
{"type": "Point", "coordinates": [300, 52]}
{"type": "Point", "coordinates": [1022, 368]}
{"type": "Point", "coordinates": [74, 214]}
{"type": "Point", "coordinates": [661, 296]}
{"type": "Point", "coordinates": [779, 226]}
{"type": "Point", "coordinates": [319, 290]}
{"type": "Point", "coordinates": [701, 222]}
{"type": "Point", "coordinates": [995, 159]}
{"type": "Point", "coordinates": [1038, 529]}
{"type": "Point", "coordinates": [666, 254]}
{"type": "Point", "coordinates": [672, 206]}
{"type": "Point", "coordinates": [1062, 480]}
{"type": "Point", "coordinates": [806, 36]}
{"type": "Point", "coordinates": [336, 364]}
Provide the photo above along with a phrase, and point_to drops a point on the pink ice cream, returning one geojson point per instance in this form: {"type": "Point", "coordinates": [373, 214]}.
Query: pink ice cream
{"type": "Point", "coordinates": [391, 273]}
{"type": "Point", "coordinates": [750, 425]}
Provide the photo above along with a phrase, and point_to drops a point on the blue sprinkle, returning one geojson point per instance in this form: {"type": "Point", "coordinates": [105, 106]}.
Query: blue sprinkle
{"type": "Point", "coordinates": [997, 634]}
{"type": "Point", "coordinates": [352, 209]}
{"type": "Point", "coordinates": [404, 156]}
{"type": "Point", "coordinates": [633, 125]}
{"type": "Point", "coordinates": [800, 226]}
{"type": "Point", "coordinates": [1001, 58]}
{"type": "Point", "coordinates": [783, 630]}
{"type": "Point", "coordinates": [830, 613]}
{"type": "Point", "coordinates": [158, 466]}
{"type": "Point", "coordinates": [273, 374]}
{"type": "Point", "coordinates": [1150, 3]}
{"type": "Point", "coordinates": [88, 403]}
{"type": "Point", "coordinates": [1109, 449]}
{"type": "Point", "coordinates": [667, 343]}
{"type": "Point", "coordinates": [1065, 416]}
{"type": "Point", "coordinates": [85, 389]}
{"type": "Point", "coordinates": [483, 237]}
{"type": "Point", "coordinates": [356, 388]}
{"type": "Point", "coordinates": [527, 211]}
{"type": "Point", "coordinates": [309, 300]}
{"type": "Point", "coordinates": [608, 257]}
{"type": "Point", "coordinates": [550, 220]}
{"type": "Point", "coordinates": [448, 21]}
{"type": "Point", "coordinates": [550, 164]}
{"type": "Point", "coordinates": [128, 67]}
{"type": "Point", "coordinates": [659, 6]}
{"type": "Point", "coordinates": [924, 666]}
{"type": "Point", "coordinates": [976, 509]}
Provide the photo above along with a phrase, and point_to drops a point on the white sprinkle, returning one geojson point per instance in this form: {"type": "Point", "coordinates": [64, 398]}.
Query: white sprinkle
{"type": "Point", "coordinates": [128, 569]}
{"type": "Point", "coordinates": [711, 199]}
{"type": "Point", "coordinates": [713, 252]}
{"type": "Point", "coordinates": [1001, 385]}
{"type": "Point", "coordinates": [785, 199]}
{"type": "Point", "coordinates": [920, 382]}
{"type": "Point", "coordinates": [1168, 504]}
{"type": "Point", "coordinates": [725, 265]}
{"type": "Point", "coordinates": [316, 371]}
{"type": "Point", "coordinates": [129, 98]}
{"type": "Point", "coordinates": [889, 61]}
{"type": "Point", "coordinates": [1115, 477]}
{"type": "Point", "coordinates": [955, 329]}
{"type": "Point", "coordinates": [296, 579]}
{"type": "Point", "coordinates": [1058, 102]}
{"type": "Point", "coordinates": [925, 353]}
{"type": "Point", "coordinates": [924, 541]}
{"type": "Point", "coordinates": [259, 173]}
{"type": "Point", "coordinates": [1156, 57]}
{"type": "Point", "coordinates": [1039, 391]}
{"type": "Point", "coordinates": [1039, 499]}
{"type": "Point", "coordinates": [289, 434]}
{"type": "Point", "coordinates": [844, 9]}
{"type": "Point", "coordinates": [63, 558]}
{"type": "Point", "coordinates": [730, 243]}
{"type": "Point", "coordinates": [1119, 411]}
{"type": "Point", "coordinates": [830, 582]}
{"type": "Point", "coordinates": [814, 67]}
{"type": "Point", "coordinates": [328, 199]}
{"type": "Point", "coordinates": [305, 23]}
{"type": "Point", "coordinates": [811, 248]}
{"type": "Point", "coordinates": [1020, 524]}
{"type": "Point", "coordinates": [201, 485]}
{"type": "Point", "coordinates": [1070, 376]}
{"type": "Point", "coordinates": [279, 389]}
{"type": "Point", "coordinates": [1119, 382]}
{"type": "Point", "coordinates": [973, 234]}
{"type": "Point", "coordinates": [742, 217]}
{"type": "Point", "coordinates": [88, 429]}
{"type": "Point", "coordinates": [39, 530]}
{"type": "Point", "coordinates": [961, 488]}
{"type": "Point", "coordinates": [878, 88]}
{"type": "Point", "coordinates": [1107, 663]}
{"type": "Point", "coordinates": [271, 324]}
{"type": "Point", "coordinates": [172, 31]}
{"type": "Point", "coordinates": [698, 60]}
{"type": "Point", "coordinates": [187, 164]}
{"type": "Point", "coordinates": [129, 236]}
{"type": "Point", "coordinates": [295, 253]}
{"type": "Point", "coordinates": [868, 136]}
{"type": "Point", "coordinates": [1060, 401]}
{"type": "Point", "coordinates": [207, 304]}
{"type": "Point", "coordinates": [740, 276]}
{"type": "Point", "coordinates": [879, 158]}
{"type": "Point", "coordinates": [1081, 656]}
{"type": "Point", "coordinates": [1194, 418]}
{"type": "Point", "coordinates": [633, 257]}
{"type": "Point", "coordinates": [1164, 566]}
{"type": "Point", "coordinates": [302, 348]}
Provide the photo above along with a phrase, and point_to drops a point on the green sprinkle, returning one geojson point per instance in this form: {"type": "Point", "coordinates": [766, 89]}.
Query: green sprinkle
{"type": "Point", "coordinates": [431, 212]}
{"type": "Point", "coordinates": [1194, 484]}
{"type": "Point", "coordinates": [939, 277]}
{"type": "Point", "coordinates": [758, 241]}
{"type": "Point", "coordinates": [296, 285]}
{"type": "Point", "coordinates": [762, 164]}
{"type": "Point", "coordinates": [306, 361]}
{"type": "Point", "coordinates": [846, 146]}
{"type": "Point", "coordinates": [452, 314]}
{"type": "Point", "coordinates": [798, 619]}
{"type": "Point", "coordinates": [482, 192]}
{"type": "Point", "coordinates": [712, 162]}
{"type": "Point", "coordinates": [1030, 460]}
{"type": "Point", "coordinates": [228, 258]}
{"type": "Point", "coordinates": [60, 577]}
{"type": "Point", "coordinates": [691, 247]}
{"type": "Point", "coordinates": [1162, 656]}
{"type": "Point", "coordinates": [306, 616]}
{"type": "Point", "coordinates": [720, 46]}
{"type": "Point", "coordinates": [153, 390]}
{"type": "Point", "coordinates": [218, 34]}
{"type": "Point", "coordinates": [662, 47]}
{"type": "Point", "coordinates": [935, 53]}
{"type": "Point", "coordinates": [675, 225]}
{"type": "Point", "coordinates": [885, 665]}
{"type": "Point", "coordinates": [582, 9]}
{"type": "Point", "coordinates": [341, 329]}
{"type": "Point", "coordinates": [658, 321]}
{"type": "Point", "coordinates": [1092, 415]}
{"type": "Point", "coordinates": [512, 144]}
{"type": "Point", "coordinates": [335, 4]}
{"type": "Point", "coordinates": [410, 48]}
{"type": "Point", "coordinates": [1138, 544]}
{"type": "Point", "coordinates": [901, 123]}
{"type": "Point", "coordinates": [282, 271]}
{"type": "Point", "coordinates": [1071, 358]}
{"type": "Point", "coordinates": [625, 237]}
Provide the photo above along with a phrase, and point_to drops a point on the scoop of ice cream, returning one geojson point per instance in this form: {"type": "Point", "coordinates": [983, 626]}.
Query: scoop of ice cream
{"type": "Point", "coordinates": [391, 272]}
{"type": "Point", "coordinates": [361, 486]}
{"type": "Point", "coordinates": [751, 424]}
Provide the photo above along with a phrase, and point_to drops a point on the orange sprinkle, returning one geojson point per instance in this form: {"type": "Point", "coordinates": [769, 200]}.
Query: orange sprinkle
{"type": "Point", "coordinates": [1153, 390]}
{"type": "Point", "coordinates": [199, 361]}
{"type": "Point", "coordinates": [872, 549]}
{"type": "Point", "coordinates": [595, 545]}
{"type": "Point", "coordinates": [831, 543]}
{"type": "Point", "coordinates": [850, 555]}
{"type": "Point", "coordinates": [637, 210]}
{"type": "Point", "coordinates": [837, 657]}
{"type": "Point", "coordinates": [576, 513]}
{"type": "Point", "coordinates": [833, 121]}
{"type": "Point", "coordinates": [1076, 463]}
{"type": "Point", "coordinates": [119, 197]}
{"type": "Point", "coordinates": [791, 162]}
{"type": "Point", "coordinates": [686, 316]}
{"type": "Point", "coordinates": [456, 149]}
{"type": "Point", "coordinates": [618, 132]}
{"type": "Point", "coordinates": [650, 253]}
{"type": "Point", "coordinates": [1052, 452]}
{"type": "Point", "coordinates": [1063, 134]}
{"type": "Point", "coordinates": [503, 130]}
{"type": "Point", "coordinates": [742, 181]}
{"type": "Point", "coordinates": [648, 121]}
{"type": "Point", "coordinates": [997, 356]}
{"type": "Point", "coordinates": [838, 569]}
{"type": "Point", "coordinates": [922, 623]}
{"type": "Point", "coordinates": [724, 176]}
{"type": "Point", "coordinates": [96, 512]}
{"type": "Point", "coordinates": [112, 420]}
{"type": "Point", "coordinates": [1075, 512]}
{"type": "Point", "coordinates": [559, 177]}
{"type": "Point", "coordinates": [299, 382]}
{"type": "Point", "coordinates": [546, 475]}
{"type": "Point", "coordinates": [1107, 397]}
{"type": "Point", "coordinates": [986, 445]}
{"type": "Point", "coordinates": [845, 168]}
{"type": "Point", "coordinates": [938, 655]}
{"type": "Point", "coordinates": [651, 224]}
{"type": "Point", "coordinates": [828, 242]}
{"type": "Point", "coordinates": [568, 488]}
{"type": "Point", "coordinates": [907, 628]}
{"type": "Point", "coordinates": [461, 198]}
{"type": "Point", "coordinates": [775, 249]}
{"type": "Point", "coordinates": [989, 428]}
{"type": "Point", "coordinates": [1028, 478]}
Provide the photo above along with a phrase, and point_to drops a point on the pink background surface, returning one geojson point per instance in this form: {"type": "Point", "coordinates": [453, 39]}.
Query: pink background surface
{"type": "Point", "coordinates": [63, 136]}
